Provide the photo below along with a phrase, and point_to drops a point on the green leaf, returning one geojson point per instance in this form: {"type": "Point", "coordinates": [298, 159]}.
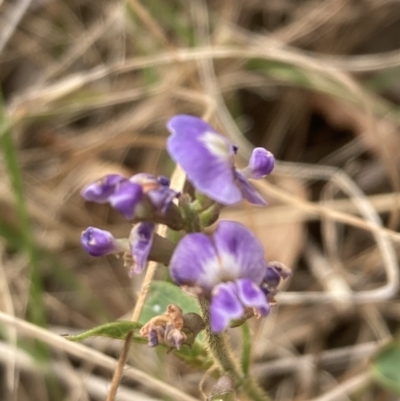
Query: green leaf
{"type": "Point", "coordinates": [117, 330]}
{"type": "Point", "coordinates": [386, 366]}
{"type": "Point", "coordinates": [162, 294]}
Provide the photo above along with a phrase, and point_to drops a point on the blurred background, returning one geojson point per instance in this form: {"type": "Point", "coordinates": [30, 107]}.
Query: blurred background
{"type": "Point", "coordinates": [86, 89]}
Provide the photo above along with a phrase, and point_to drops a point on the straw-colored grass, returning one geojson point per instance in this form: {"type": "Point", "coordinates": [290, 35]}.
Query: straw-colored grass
{"type": "Point", "coordinates": [87, 88]}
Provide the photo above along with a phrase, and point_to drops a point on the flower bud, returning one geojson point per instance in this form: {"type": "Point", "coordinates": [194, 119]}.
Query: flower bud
{"type": "Point", "coordinates": [98, 242]}
{"type": "Point", "coordinates": [100, 190]}
{"type": "Point", "coordinates": [261, 163]}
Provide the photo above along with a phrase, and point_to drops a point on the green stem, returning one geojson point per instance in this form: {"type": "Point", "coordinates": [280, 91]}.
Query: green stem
{"type": "Point", "coordinates": [246, 349]}
{"type": "Point", "coordinates": [224, 359]}
{"type": "Point", "coordinates": [218, 346]}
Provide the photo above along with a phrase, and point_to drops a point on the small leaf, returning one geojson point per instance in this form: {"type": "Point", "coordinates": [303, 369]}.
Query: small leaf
{"type": "Point", "coordinates": [161, 295]}
{"type": "Point", "coordinates": [117, 330]}
{"type": "Point", "coordinates": [386, 366]}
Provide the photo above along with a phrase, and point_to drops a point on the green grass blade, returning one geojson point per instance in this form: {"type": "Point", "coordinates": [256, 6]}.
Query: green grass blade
{"type": "Point", "coordinates": [35, 305]}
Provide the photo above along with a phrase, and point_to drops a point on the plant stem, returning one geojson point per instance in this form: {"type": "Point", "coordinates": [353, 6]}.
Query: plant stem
{"type": "Point", "coordinates": [219, 346]}
{"type": "Point", "coordinates": [246, 349]}
{"type": "Point", "coordinates": [224, 359]}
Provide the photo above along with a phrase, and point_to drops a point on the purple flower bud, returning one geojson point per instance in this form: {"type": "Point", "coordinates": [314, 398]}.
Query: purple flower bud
{"type": "Point", "coordinates": [261, 163]}
{"type": "Point", "coordinates": [126, 197]}
{"type": "Point", "coordinates": [122, 194]}
{"type": "Point", "coordinates": [98, 242]}
{"type": "Point", "coordinates": [100, 190]}
{"type": "Point", "coordinates": [275, 272]}
{"type": "Point", "coordinates": [272, 277]}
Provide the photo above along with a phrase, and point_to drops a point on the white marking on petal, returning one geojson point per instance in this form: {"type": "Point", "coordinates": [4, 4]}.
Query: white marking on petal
{"type": "Point", "coordinates": [216, 144]}
{"type": "Point", "coordinates": [230, 269]}
{"type": "Point", "coordinates": [211, 274]}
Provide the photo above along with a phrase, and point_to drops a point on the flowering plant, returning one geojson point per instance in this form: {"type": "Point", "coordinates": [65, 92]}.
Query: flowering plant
{"type": "Point", "coordinates": [222, 265]}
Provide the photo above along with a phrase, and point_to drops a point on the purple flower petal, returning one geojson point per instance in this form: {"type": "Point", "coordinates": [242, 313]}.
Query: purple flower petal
{"type": "Point", "coordinates": [161, 198]}
{"type": "Point", "coordinates": [225, 306]}
{"type": "Point", "coordinates": [125, 198]}
{"type": "Point", "coordinates": [252, 296]}
{"type": "Point", "coordinates": [98, 242]}
{"type": "Point", "coordinates": [100, 190]}
{"type": "Point", "coordinates": [261, 163]}
{"type": "Point", "coordinates": [140, 240]}
{"type": "Point", "coordinates": [240, 252]}
{"type": "Point", "coordinates": [195, 262]}
{"type": "Point", "coordinates": [248, 191]}
{"type": "Point", "coordinates": [206, 157]}
{"type": "Point", "coordinates": [272, 277]}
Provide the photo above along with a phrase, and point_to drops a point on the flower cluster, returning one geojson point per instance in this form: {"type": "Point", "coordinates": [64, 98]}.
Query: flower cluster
{"type": "Point", "coordinates": [138, 196]}
{"type": "Point", "coordinates": [226, 267]}
{"type": "Point", "coordinates": [143, 196]}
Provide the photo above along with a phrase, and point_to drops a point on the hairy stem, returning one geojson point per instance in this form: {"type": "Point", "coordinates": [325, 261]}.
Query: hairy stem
{"type": "Point", "coordinates": [219, 346]}
{"type": "Point", "coordinates": [224, 359]}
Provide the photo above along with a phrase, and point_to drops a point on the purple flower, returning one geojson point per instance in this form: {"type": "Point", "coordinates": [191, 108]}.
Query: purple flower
{"type": "Point", "coordinates": [227, 267]}
{"type": "Point", "coordinates": [207, 158]}
{"type": "Point", "coordinates": [98, 242]}
{"type": "Point", "coordinates": [140, 241]}
{"type": "Point", "coordinates": [137, 196]}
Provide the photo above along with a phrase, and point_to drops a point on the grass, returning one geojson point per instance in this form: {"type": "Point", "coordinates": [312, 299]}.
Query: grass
{"type": "Point", "coordinates": [87, 89]}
